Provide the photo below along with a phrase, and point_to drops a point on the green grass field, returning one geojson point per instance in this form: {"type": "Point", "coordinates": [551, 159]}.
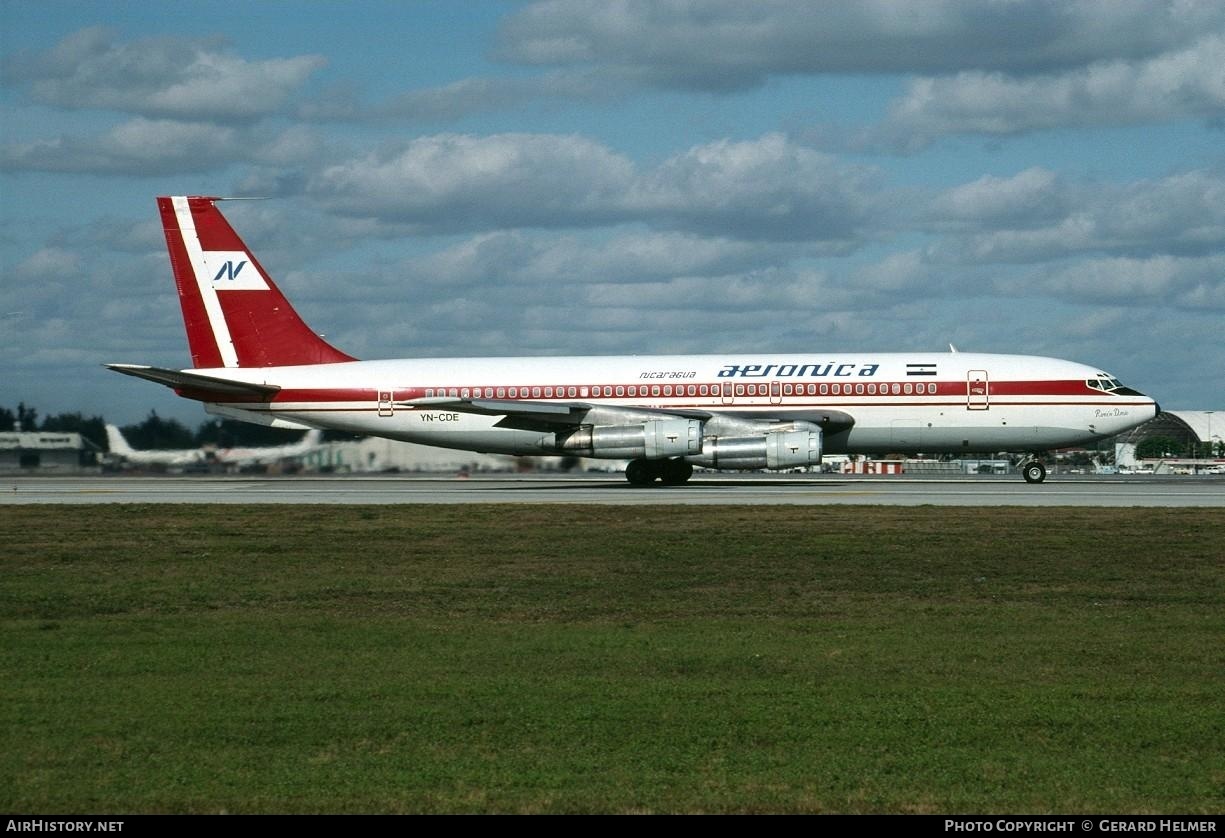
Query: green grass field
{"type": "Point", "coordinates": [611, 659]}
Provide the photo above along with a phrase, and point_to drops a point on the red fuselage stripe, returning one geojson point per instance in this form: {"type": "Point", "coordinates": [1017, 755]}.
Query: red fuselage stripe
{"type": "Point", "coordinates": [878, 394]}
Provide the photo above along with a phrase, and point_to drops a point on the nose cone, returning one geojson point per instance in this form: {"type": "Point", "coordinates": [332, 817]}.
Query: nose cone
{"type": "Point", "coordinates": [1141, 410]}
{"type": "Point", "coordinates": [1154, 407]}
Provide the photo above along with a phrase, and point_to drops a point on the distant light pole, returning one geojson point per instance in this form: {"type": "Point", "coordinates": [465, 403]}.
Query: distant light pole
{"type": "Point", "coordinates": [1211, 447]}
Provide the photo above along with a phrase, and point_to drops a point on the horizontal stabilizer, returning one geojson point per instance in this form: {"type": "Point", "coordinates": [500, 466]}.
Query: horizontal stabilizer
{"type": "Point", "coordinates": [180, 380]}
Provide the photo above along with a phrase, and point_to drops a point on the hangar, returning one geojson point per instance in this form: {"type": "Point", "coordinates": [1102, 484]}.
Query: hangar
{"type": "Point", "coordinates": [1191, 429]}
{"type": "Point", "coordinates": [46, 451]}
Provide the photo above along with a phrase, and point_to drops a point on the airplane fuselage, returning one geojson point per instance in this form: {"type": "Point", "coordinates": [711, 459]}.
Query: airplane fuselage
{"type": "Point", "coordinates": [912, 402]}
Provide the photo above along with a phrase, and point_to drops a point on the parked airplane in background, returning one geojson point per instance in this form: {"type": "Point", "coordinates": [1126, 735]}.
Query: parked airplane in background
{"type": "Point", "coordinates": [153, 456]}
{"type": "Point", "coordinates": [253, 358]}
{"type": "Point", "coordinates": [206, 454]}
{"type": "Point", "coordinates": [269, 453]}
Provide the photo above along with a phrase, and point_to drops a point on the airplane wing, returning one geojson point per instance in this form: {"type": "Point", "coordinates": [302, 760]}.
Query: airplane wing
{"type": "Point", "coordinates": [565, 413]}
{"type": "Point", "coordinates": [528, 415]}
{"type": "Point", "coordinates": [520, 415]}
{"type": "Point", "coordinates": [198, 385]}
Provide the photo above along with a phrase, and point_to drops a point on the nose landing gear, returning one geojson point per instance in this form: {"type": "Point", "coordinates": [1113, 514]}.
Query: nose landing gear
{"type": "Point", "coordinates": [1033, 470]}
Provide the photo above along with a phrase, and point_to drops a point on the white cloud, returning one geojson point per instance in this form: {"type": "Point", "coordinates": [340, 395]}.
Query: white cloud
{"type": "Point", "coordinates": [1023, 200]}
{"type": "Point", "coordinates": [1175, 85]}
{"type": "Point", "coordinates": [468, 96]}
{"type": "Point", "coordinates": [569, 263]}
{"type": "Point", "coordinates": [1035, 217]}
{"type": "Point", "coordinates": [765, 189]}
{"type": "Point", "coordinates": [48, 263]}
{"type": "Point", "coordinates": [161, 77]}
{"type": "Point", "coordinates": [729, 44]}
{"type": "Point", "coordinates": [769, 188]}
{"type": "Point", "coordinates": [1191, 283]}
{"type": "Point", "coordinates": [150, 147]}
{"type": "Point", "coordinates": [463, 182]}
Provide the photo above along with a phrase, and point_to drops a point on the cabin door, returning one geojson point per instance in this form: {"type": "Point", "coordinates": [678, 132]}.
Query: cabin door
{"type": "Point", "coordinates": [978, 391]}
{"type": "Point", "coordinates": [386, 404]}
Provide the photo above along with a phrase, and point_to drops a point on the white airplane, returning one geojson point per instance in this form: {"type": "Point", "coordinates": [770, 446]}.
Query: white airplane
{"type": "Point", "coordinates": [269, 453]}
{"type": "Point", "coordinates": [254, 359]}
{"type": "Point", "coordinates": [205, 454]}
{"type": "Point", "coordinates": [153, 456]}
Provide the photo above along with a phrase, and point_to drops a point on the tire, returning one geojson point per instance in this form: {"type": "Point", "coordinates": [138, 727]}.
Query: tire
{"type": "Point", "coordinates": [675, 472]}
{"type": "Point", "coordinates": [639, 473]}
{"type": "Point", "coordinates": [1034, 472]}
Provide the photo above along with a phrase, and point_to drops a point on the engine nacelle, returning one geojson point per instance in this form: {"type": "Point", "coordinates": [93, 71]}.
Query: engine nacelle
{"type": "Point", "coordinates": [653, 440]}
{"type": "Point", "coordinates": [776, 449]}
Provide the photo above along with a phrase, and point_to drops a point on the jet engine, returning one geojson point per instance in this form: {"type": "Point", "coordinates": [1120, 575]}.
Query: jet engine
{"type": "Point", "coordinates": [651, 440]}
{"type": "Point", "coordinates": [775, 449]}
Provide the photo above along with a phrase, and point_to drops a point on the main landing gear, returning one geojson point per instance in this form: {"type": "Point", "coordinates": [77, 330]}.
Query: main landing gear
{"type": "Point", "coordinates": [643, 472]}
{"type": "Point", "coordinates": [1033, 470]}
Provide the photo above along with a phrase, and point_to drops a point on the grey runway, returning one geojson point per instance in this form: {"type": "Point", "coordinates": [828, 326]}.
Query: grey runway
{"type": "Point", "coordinates": [804, 490]}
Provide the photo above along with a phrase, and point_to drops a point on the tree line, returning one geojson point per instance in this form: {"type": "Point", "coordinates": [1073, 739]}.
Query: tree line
{"type": "Point", "coordinates": [154, 432]}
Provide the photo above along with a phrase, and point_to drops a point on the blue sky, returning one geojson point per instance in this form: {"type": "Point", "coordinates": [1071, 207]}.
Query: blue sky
{"type": "Point", "coordinates": [563, 177]}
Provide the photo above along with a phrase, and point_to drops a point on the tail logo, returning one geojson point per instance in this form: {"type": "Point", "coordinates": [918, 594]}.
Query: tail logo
{"type": "Point", "coordinates": [231, 270]}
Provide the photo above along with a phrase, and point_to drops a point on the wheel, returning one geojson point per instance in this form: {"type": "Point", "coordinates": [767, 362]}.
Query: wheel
{"type": "Point", "coordinates": [675, 472]}
{"type": "Point", "coordinates": [640, 473]}
{"type": "Point", "coordinates": [1034, 471]}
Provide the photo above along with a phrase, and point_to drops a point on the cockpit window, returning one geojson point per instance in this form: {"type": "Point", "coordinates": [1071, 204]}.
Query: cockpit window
{"type": "Point", "coordinates": [1105, 384]}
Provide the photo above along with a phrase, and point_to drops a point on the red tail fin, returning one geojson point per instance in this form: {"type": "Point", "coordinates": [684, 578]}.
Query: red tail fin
{"type": "Point", "coordinates": [234, 313]}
